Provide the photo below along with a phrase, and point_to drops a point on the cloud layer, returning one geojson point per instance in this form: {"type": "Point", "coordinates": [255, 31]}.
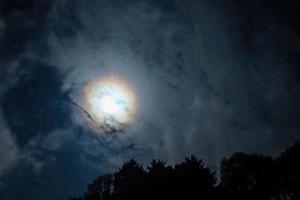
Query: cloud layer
{"type": "Point", "coordinates": [211, 77]}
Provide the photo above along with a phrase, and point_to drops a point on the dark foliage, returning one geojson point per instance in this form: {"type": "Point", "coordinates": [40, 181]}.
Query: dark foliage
{"type": "Point", "coordinates": [243, 176]}
{"type": "Point", "coordinates": [247, 176]}
{"type": "Point", "coordinates": [287, 168]}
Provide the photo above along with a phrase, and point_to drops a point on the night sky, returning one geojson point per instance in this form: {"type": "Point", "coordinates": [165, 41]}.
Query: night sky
{"type": "Point", "coordinates": [211, 77]}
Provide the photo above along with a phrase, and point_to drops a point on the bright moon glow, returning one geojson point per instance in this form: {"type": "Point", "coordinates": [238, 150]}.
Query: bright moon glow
{"type": "Point", "coordinates": [110, 102]}
{"type": "Point", "coordinates": [109, 105]}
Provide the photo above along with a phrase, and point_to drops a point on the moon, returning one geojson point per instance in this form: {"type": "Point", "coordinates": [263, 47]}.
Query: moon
{"type": "Point", "coordinates": [110, 102]}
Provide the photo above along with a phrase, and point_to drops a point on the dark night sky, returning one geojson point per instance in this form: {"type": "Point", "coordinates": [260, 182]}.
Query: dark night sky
{"type": "Point", "coordinates": [212, 78]}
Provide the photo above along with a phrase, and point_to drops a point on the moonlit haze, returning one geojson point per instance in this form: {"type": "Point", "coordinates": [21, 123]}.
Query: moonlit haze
{"type": "Point", "coordinates": [109, 101]}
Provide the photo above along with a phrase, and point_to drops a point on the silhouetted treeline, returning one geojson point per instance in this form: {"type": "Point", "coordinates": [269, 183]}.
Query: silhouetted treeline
{"type": "Point", "coordinates": [242, 177]}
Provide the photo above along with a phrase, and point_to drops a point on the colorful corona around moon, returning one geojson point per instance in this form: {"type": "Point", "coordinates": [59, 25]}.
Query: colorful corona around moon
{"type": "Point", "coordinates": [109, 103]}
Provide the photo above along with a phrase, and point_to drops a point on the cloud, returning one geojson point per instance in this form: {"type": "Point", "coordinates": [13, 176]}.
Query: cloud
{"type": "Point", "coordinates": [192, 87]}
{"type": "Point", "coordinates": [207, 83]}
{"type": "Point", "coordinates": [2, 28]}
{"type": "Point", "coordinates": [9, 152]}
{"type": "Point", "coordinates": [145, 50]}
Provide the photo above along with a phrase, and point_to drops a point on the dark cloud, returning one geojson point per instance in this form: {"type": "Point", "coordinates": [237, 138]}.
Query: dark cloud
{"type": "Point", "coordinates": [64, 20]}
{"type": "Point", "coordinates": [65, 164]}
{"type": "Point", "coordinates": [35, 105]}
{"type": "Point", "coordinates": [24, 23]}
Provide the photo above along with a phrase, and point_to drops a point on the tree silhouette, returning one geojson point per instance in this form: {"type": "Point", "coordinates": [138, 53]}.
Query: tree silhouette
{"type": "Point", "coordinates": [247, 176]}
{"type": "Point", "coordinates": [288, 173]}
{"type": "Point", "coordinates": [160, 179]}
{"type": "Point", "coordinates": [243, 177]}
{"type": "Point", "coordinates": [192, 179]}
{"type": "Point", "coordinates": [100, 188]}
{"type": "Point", "coordinates": [129, 181]}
